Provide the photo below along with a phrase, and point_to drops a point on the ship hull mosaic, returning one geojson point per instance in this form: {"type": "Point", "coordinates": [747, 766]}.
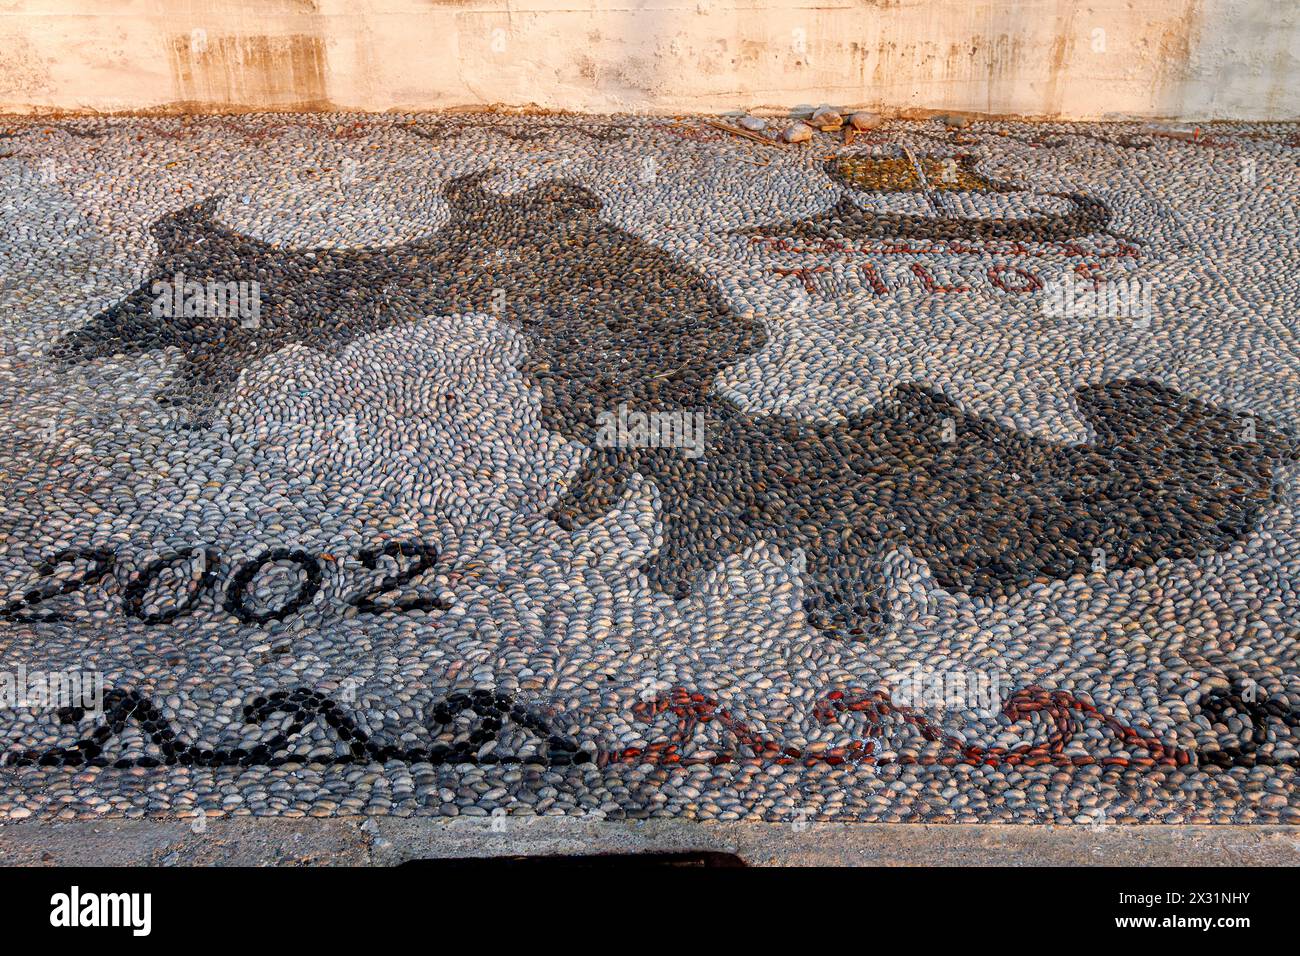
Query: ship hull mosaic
{"type": "Point", "coordinates": [628, 469]}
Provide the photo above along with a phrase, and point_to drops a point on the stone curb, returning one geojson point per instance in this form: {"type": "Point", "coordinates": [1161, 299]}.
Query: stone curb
{"type": "Point", "coordinates": [388, 841]}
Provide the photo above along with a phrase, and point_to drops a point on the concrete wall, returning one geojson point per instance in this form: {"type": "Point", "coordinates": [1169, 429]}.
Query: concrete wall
{"type": "Point", "coordinates": [1186, 59]}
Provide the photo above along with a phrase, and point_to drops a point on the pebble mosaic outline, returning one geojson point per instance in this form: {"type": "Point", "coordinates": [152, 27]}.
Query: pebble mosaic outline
{"type": "Point", "coordinates": [691, 708]}
{"type": "Point", "coordinates": [649, 328]}
{"type": "Point", "coordinates": [667, 334]}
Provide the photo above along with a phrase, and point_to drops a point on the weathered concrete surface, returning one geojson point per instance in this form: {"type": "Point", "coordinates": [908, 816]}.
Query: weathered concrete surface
{"type": "Point", "coordinates": [1080, 59]}
{"type": "Point", "coordinates": [173, 842]}
{"type": "Point", "coordinates": [390, 841]}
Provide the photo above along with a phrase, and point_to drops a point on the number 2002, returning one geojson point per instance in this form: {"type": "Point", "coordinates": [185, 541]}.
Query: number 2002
{"type": "Point", "coordinates": [235, 599]}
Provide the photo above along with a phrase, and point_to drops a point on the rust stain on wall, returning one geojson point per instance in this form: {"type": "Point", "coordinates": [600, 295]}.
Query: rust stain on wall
{"type": "Point", "coordinates": [22, 70]}
{"type": "Point", "coordinates": [1173, 54]}
{"type": "Point", "coordinates": [1058, 58]}
{"type": "Point", "coordinates": [270, 71]}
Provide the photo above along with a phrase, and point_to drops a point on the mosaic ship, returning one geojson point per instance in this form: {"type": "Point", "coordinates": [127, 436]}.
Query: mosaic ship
{"type": "Point", "coordinates": [941, 198]}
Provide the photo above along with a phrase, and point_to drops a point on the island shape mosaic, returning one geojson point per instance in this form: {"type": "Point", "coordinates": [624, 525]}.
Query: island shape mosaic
{"type": "Point", "coordinates": [621, 467]}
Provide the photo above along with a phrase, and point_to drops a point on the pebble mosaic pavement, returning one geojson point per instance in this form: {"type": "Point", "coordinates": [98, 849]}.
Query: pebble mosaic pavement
{"type": "Point", "coordinates": [371, 553]}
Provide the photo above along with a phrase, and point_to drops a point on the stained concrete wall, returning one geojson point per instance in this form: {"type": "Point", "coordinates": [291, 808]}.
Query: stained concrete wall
{"type": "Point", "coordinates": [1184, 59]}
